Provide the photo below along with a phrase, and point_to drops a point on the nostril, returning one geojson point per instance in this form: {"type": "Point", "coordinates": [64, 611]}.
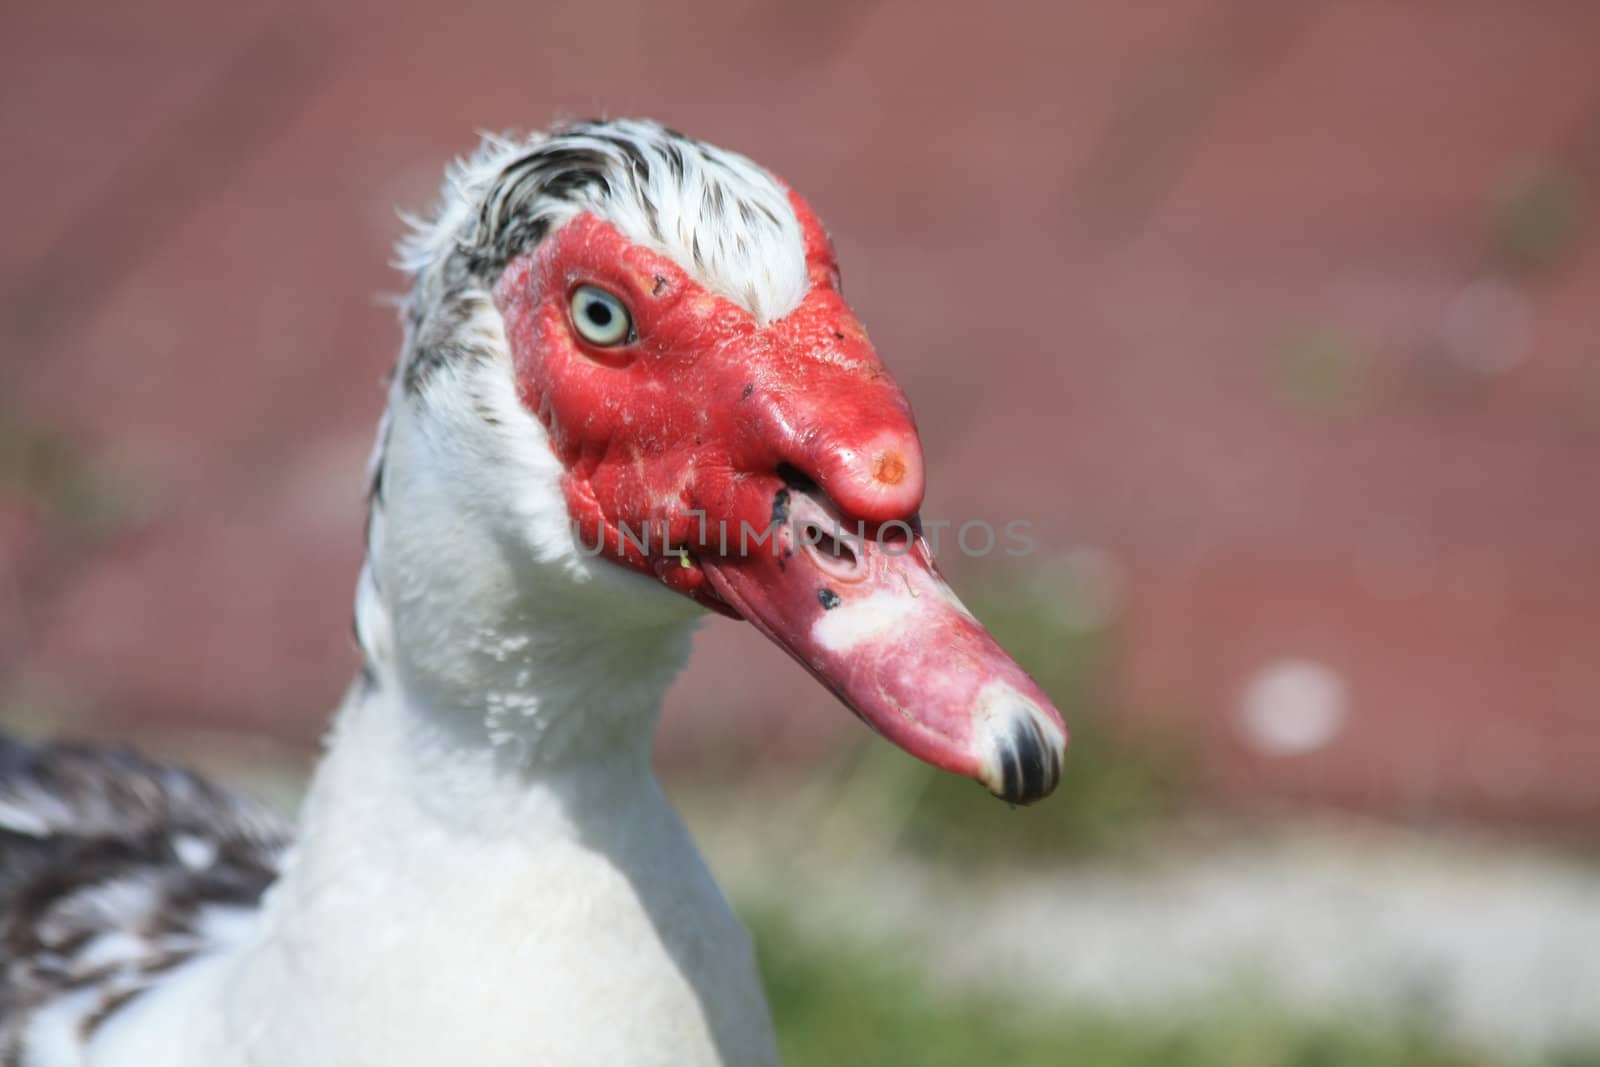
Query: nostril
{"type": "Point", "coordinates": [833, 555]}
{"type": "Point", "coordinates": [834, 537]}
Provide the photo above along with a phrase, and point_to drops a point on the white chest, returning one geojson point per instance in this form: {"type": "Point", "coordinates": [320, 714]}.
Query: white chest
{"type": "Point", "coordinates": [561, 958]}
{"type": "Point", "coordinates": [552, 928]}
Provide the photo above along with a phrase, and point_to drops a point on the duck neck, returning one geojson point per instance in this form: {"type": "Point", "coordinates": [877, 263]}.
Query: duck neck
{"type": "Point", "coordinates": [504, 668]}
{"type": "Point", "coordinates": [526, 728]}
{"type": "Point", "coordinates": [486, 795]}
{"type": "Point", "coordinates": [504, 696]}
{"type": "Point", "coordinates": [511, 685]}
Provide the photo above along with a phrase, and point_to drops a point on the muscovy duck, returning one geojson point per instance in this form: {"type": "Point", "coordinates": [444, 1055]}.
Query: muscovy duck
{"type": "Point", "coordinates": [629, 392]}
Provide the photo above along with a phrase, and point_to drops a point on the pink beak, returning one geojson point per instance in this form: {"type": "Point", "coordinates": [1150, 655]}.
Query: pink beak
{"type": "Point", "coordinates": [872, 619]}
{"type": "Point", "coordinates": [844, 583]}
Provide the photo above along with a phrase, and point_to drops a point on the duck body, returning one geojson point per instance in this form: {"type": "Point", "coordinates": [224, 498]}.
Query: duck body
{"type": "Point", "coordinates": [614, 334]}
{"type": "Point", "coordinates": [427, 913]}
{"type": "Point", "coordinates": [114, 873]}
{"type": "Point", "coordinates": [559, 943]}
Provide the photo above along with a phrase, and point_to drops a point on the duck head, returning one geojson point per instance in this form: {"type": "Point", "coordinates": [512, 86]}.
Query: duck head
{"type": "Point", "coordinates": [722, 426]}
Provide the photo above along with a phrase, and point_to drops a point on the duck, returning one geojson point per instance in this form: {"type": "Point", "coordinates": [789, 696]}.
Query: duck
{"type": "Point", "coordinates": [629, 394]}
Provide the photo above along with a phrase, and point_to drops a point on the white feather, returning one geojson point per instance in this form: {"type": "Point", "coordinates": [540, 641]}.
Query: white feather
{"type": "Point", "coordinates": [756, 258]}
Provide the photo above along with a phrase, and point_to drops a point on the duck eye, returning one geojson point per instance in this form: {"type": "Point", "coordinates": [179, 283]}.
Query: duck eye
{"type": "Point", "coordinates": [600, 317]}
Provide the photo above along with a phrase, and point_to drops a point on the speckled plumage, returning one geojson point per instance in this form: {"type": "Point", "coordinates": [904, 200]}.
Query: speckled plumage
{"type": "Point", "coordinates": [113, 870]}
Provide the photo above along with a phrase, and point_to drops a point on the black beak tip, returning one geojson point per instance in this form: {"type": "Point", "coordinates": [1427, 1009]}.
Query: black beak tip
{"type": "Point", "coordinates": [1030, 764]}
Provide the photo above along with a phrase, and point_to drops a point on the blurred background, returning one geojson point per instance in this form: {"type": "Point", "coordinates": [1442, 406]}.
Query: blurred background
{"type": "Point", "coordinates": [1279, 322]}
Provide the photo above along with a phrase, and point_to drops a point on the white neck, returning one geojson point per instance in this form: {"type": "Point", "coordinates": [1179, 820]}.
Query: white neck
{"type": "Point", "coordinates": [488, 872]}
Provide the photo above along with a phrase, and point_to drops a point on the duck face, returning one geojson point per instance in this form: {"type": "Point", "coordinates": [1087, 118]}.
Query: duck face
{"type": "Point", "coordinates": [769, 470]}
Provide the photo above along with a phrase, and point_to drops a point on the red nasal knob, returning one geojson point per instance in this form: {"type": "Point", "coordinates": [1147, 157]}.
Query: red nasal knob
{"type": "Point", "coordinates": [876, 480]}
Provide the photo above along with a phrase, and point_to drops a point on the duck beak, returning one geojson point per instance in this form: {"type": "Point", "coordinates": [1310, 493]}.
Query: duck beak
{"type": "Point", "coordinates": [871, 618]}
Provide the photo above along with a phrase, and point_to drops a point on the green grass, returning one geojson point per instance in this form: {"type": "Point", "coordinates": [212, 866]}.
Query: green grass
{"type": "Point", "coordinates": [42, 464]}
{"type": "Point", "coordinates": [1537, 220]}
{"type": "Point", "coordinates": [840, 1004]}
{"type": "Point", "coordinates": [1319, 370]}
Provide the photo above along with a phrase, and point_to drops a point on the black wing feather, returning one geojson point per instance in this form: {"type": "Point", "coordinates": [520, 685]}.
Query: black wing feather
{"type": "Point", "coordinates": [97, 841]}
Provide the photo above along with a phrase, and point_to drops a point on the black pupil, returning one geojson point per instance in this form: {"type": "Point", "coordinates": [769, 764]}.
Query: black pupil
{"type": "Point", "coordinates": [599, 313]}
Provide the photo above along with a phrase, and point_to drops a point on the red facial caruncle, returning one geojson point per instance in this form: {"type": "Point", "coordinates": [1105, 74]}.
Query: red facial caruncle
{"type": "Point", "coordinates": [675, 412]}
